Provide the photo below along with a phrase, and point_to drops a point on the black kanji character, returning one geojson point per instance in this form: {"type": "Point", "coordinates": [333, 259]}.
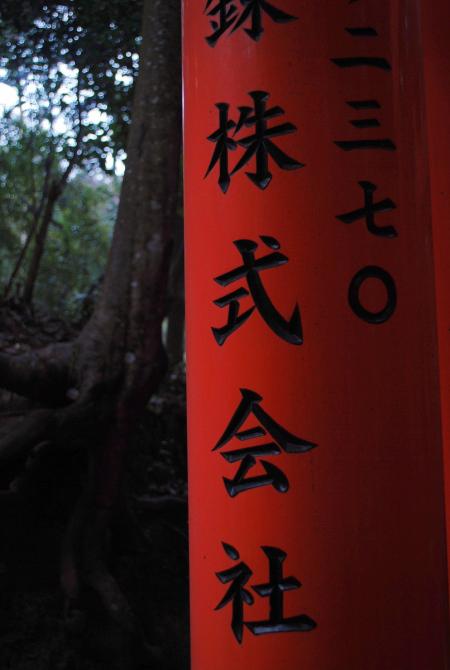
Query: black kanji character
{"type": "Point", "coordinates": [258, 144]}
{"type": "Point", "coordinates": [362, 124]}
{"type": "Point", "coordinates": [274, 589]}
{"type": "Point", "coordinates": [369, 210]}
{"type": "Point", "coordinates": [224, 15]}
{"type": "Point", "coordinates": [282, 440]}
{"type": "Point", "coordinates": [362, 61]}
{"type": "Point", "coordinates": [381, 275]}
{"type": "Point", "coordinates": [289, 330]}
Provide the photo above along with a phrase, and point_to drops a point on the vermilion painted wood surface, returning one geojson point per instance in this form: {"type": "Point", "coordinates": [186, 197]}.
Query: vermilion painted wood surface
{"type": "Point", "coordinates": [354, 498]}
{"type": "Point", "coordinates": [436, 25]}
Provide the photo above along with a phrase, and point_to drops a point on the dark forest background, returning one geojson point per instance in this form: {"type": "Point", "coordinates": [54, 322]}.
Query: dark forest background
{"type": "Point", "coordinates": [93, 512]}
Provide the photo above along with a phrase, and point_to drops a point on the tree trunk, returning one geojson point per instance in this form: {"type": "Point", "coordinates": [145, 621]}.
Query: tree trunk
{"type": "Point", "coordinates": [118, 358]}
{"type": "Point", "coordinates": [132, 303]}
{"type": "Point", "coordinates": [21, 258]}
{"type": "Point", "coordinates": [39, 246]}
{"type": "Point", "coordinates": [96, 387]}
{"type": "Point", "coordinates": [55, 190]}
{"type": "Point", "coordinates": [37, 212]}
{"type": "Point", "coordinates": [175, 317]}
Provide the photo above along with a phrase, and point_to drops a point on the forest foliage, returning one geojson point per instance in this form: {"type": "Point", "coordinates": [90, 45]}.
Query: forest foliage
{"type": "Point", "coordinates": [72, 66]}
{"type": "Point", "coordinates": [80, 233]}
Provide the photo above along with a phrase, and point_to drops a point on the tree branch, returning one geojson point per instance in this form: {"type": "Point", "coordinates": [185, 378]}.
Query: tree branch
{"type": "Point", "coordinates": [37, 211]}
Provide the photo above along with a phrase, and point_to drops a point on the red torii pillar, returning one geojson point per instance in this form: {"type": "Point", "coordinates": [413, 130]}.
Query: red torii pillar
{"type": "Point", "coordinates": [436, 46]}
{"type": "Point", "coordinates": [317, 527]}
